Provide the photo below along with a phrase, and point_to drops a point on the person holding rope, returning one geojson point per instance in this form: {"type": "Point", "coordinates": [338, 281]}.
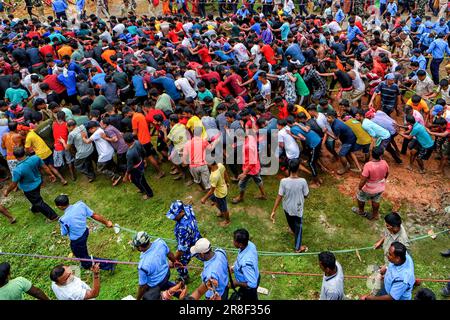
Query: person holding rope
{"type": "Point", "coordinates": [74, 225]}
{"type": "Point", "coordinates": [153, 268]}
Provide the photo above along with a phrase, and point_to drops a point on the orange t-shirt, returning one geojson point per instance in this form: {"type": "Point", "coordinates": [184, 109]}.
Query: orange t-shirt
{"type": "Point", "coordinates": [139, 123]}
{"type": "Point", "coordinates": [106, 55]}
{"type": "Point", "coordinates": [65, 50]}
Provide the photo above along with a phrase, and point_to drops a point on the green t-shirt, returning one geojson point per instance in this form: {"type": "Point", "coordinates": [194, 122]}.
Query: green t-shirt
{"type": "Point", "coordinates": [300, 86]}
{"type": "Point", "coordinates": [99, 103]}
{"type": "Point", "coordinates": [324, 110]}
{"type": "Point", "coordinates": [202, 95]}
{"type": "Point", "coordinates": [80, 119]}
{"type": "Point", "coordinates": [14, 289]}
{"type": "Point", "coordinates": [45, 131]}
{"type": "Point", "coordinates": [16, 95]}
{"type": "Point", "coordinates": [121, 79]}
{"type": "Point", "coordinates": [163, 103]}
{"type": "Point", "coordinates": [235, 31]}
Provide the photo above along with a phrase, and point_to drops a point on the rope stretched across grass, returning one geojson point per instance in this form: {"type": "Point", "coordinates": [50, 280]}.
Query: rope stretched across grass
{"type": "Point", "coordinates": [284, 273]}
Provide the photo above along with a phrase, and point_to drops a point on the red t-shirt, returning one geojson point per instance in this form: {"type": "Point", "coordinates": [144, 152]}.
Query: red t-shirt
{"type": "Point", "coordinates": [250, 156]}
{"type": "Point", "coordinates": [196, 150]}
{"type": "Point", "coordinates": [210, 75]}
{"type": "Point", "coordinates": [375, 172]}
{"type": "Point", "coordinates": [172, 35]}
{"type": "Point", "coordinates": [223, 89]}
{"type": "Point", "coordinates": [48, 49]}
{"type": "Point", "coordinates": [150, 116]}
{"type": "Point", "coordinates": [233, 81]}
{"type": "Point", "coordinates": [54, 84]}
{"type": "Point", "coordinates": [269, 54]}
{"type": "Point", "coordinates": [32, 34]}
{"type": "Point", "coordinates": [59, 131]}
{"type": "Point", "coordinates": [204, 54]}
{"type": "Point", "coordinates": [283, 111]}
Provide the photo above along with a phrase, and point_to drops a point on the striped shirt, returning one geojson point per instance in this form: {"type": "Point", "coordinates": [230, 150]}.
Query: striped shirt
{"type": "Point", "coordinates": [389, 94]}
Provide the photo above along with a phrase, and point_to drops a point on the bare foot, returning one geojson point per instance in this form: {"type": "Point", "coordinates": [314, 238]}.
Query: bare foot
{"type": "Point", "coordinates": [225, 223]}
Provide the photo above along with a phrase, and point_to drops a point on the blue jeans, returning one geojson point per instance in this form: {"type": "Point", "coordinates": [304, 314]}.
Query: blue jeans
{"type": "Point", "coordinates": [434, 68]}
{"type": "Point", "coordinates": [80, 250]}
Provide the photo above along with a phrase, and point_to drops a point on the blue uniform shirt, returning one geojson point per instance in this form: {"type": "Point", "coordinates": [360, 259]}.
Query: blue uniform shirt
{"type": "Point", "coordinates": [246, 266]}
{"type": "Point", "coordinates": [27, 173]}
{"type": "Point", "coordinates": [429, 25]}
{"type": "Point", "coordinates": [339, 16]}
{"type": "Point", "coordinates": [59, 6]}
{"type": "Point", "coordinates": [441, 28]}
{"type": "Point", "coordinates": [352, 32]}
{"type": "Point", "coordinates": [425, 40]}
{"type": "Point", "coordinates": [438, 48]}
{"type": "Point", "coordinates": [399, 280]}
{"type": "Point", "coordinates": [421, 29]}
{"type": "Point", "coordinates": [216, 268]}
{"type": "Point", "coordinates": [153, 265]}
{"type": "Point", "coordinates": [392, 8]}
{"type": "Point", "coordinates": [70, 82]}
{"type": "Point", "coordinates": [73, 222]}
{"type": "Point", "coordinates": [186, 231]}
{"type": "Point", "coordinates": [421, 60]}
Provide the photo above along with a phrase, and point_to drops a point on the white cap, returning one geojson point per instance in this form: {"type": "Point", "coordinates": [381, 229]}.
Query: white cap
{"type": "Point", "coordinates": [201, 246]}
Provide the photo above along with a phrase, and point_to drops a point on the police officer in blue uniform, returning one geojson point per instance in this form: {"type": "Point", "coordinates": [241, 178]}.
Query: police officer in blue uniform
{"type": "Point", "coordinates": [245, 268]}
{"type": "Point", "coordinates": [215, 271]}
{"type": "Point", "coordinates": [153, 267]}
{"type": "Point", "coordinates": [186, 232]}
{"type": "Point", "coordinates": [73, 225]}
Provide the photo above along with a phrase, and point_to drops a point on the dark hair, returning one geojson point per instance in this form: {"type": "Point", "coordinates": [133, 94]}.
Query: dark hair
{"type": "Point", "coordinates": [60, 115]}
{"type": "Point", "coordinates": [425, 294]}
{"type": "Point", "coordinates": [393, 219]}
{"type": "Point", "coordinates": [57, 272]}
{"type": "Point", "coordinates": [399, 250]}
{"type": "Point", "coordinates": [62, 200]}
{"type": "Point", "coordinates": [328, 260]}
{"type": "Point", "coordinates": [241, 236]}
{"type": "Point", "coordinates": [416, 98]}
{"type": "Point", "coordinates": [71, 123]}
{"type": "Point", "coordinates": [421, 73]}
{"type": "Point", "coordinates": [128, 137]}
{"type": "Point", "coordinates": [19, 152]}
{"type": "Point", "coordinates": [377, 152]}
{"type": "Point", "coordinates": [410, 119]}
{"type": "Point", "coordinates": [12, 126]}
{"type": "Point", "coordinates": [294, 164]}
{"type": "Point", "coordinates": [5, 269]}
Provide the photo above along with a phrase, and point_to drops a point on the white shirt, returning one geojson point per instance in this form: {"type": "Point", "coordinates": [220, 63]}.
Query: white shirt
{"type": "Point", "coordinates": [104, 148]}
{"type": "Point", "coordinates": [187, 26]}
{"type": "Point", "coordinates": [184, 85]}
{"type": "Point", "coordinates": [255, 52]}
{"type": "Point", "coordinates": [334, 27]}
{"type": "Point", "coordinates": [241, 52]}
{"type": "Point", "coordinates": [118, 28]}
{"type": "Point", "coordinates": [266, 89]}
{"type": "Point", "coordinates": [75, 290]}
{"type": "Point", "coordinates": [192, 75]}
{"type": "Point", "coordinates": [290, 145]}
{"type": "Point", "coordinates": [106, 36]}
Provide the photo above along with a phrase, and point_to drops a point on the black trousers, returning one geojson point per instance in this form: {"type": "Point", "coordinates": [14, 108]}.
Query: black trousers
{"type": "Point", "coordinates": [85, 166]}
{"type": "Point", "coordinates": [80, 250]}
{"type": "Point", "coordinates": [248, 294]}
{"type": "Point", "coordinates": [122, 162]}
{"type": "Point", "coordinates": [38, 204]}
{"type": "Point", "coordinates": [295, 224]}
{"type": "Point", "coordinates": [138, 179]}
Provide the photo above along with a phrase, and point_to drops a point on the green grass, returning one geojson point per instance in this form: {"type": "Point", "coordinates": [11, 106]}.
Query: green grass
{"type": "Point", "coordinates": [328, 224]}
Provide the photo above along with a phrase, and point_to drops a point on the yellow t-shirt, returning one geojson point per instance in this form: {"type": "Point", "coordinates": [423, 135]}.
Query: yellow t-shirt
{"type": "Point", "coordinates": [178, 136]}
{"type": "Point", "coordinates": [421, 106]}
{"type": "Point", "coordinates": [195, 121]}
{"type": "Point", "coordinates": [217, 180]}
{"type": "Point", "coordinates": [39, 146]}
{"type": "Point", "coordinates": [362, 137]}
{"type": "Point", "coordinates": [299, 109]}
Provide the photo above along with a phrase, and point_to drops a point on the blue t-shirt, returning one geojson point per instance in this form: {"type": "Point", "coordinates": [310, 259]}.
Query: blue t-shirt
{"type": "Point", "coordinates": [99, 79]}
{"type": "Point", "coordinates": [285, 31]}
{"type": "Point", "coordinates": [422, 136]}
{"type": "Point", "coordinates": [295, 52]}
{"type": "Point", "coordinates": [70, 82]}
{"type": "Point", "coordinates": [169, 86]}
{"type": "Point", "coordinates": [138, 84]}
{"type": "Point", "coordinates": [153, 265]}
{"type": "Point", "coordinates": [312, 138]}
{"type": "Point", "coordinates": [257, 28]}
{"type": "Point", "coordinates": [27, 173]}
{"type": "Point", "coordinates": [343, 131]}
{"type": "Point", "coordinates": [216, 268]}
{"type": "Point", "coordinates": [73, 222]}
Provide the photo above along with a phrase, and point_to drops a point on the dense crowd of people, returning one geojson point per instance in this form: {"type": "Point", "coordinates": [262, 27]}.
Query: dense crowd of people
{"type": "Point", "coordinates": [221, 99]}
